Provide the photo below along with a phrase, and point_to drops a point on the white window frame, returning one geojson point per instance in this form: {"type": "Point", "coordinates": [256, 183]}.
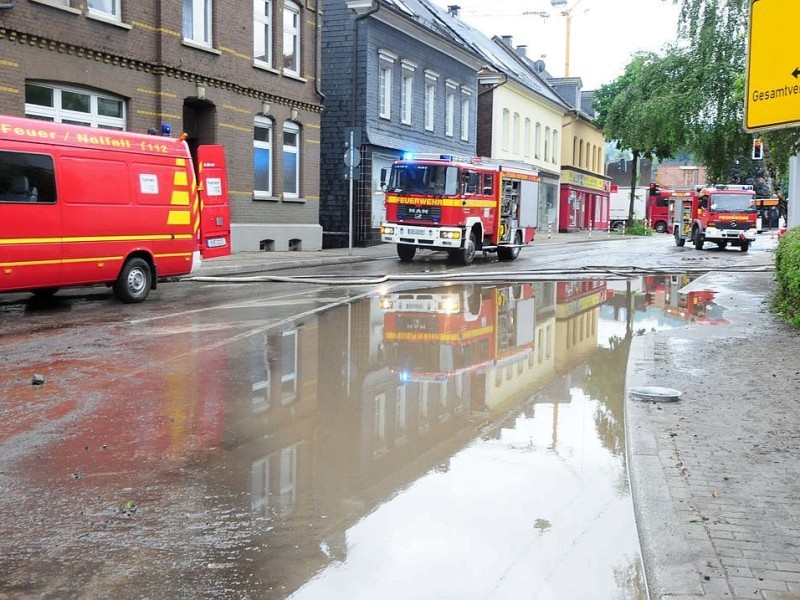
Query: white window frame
{"type": "Point", "coordinates": [554, 153]}
{"type": "Point", "coordinates": [546, 157]}
{"type": "Point", "coordinates": [515, 133]}
{"type": "Point", "coordinates": [290, 127]}
{"type": "Point", "coordinates": [291, 36]}
{"type": "Point", "coordinates": [537, 141]}
{"type": "Point", "coordinates": [93, 118]}
{"type": "Point", "coordinates": [385, 91]}
{"type": "Point", "coordinates": [201, 11]}
{"type": "Point", "coordinates": [407, 93]}
{"type": "Point", "coordinates": [506, 129]}
{"type": "Point", "coordinates": [262, 20]}
{"type": "Point", "coordinates": [431, 79]}
{"type": "Point", "coordinates": [465, 114]}
{"type": "Point", "coordinates": [264, 123]}
{"type": "Point", "coordinates": [450, 108]}
{"type": "Point", "coordinates": [526, 139]}
{"type": "Point", "coordinates": [114, 13]}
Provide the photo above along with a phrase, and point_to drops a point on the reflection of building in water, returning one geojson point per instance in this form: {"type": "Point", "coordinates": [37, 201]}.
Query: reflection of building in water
{"type": "Point", "coordinates": [577, 314]}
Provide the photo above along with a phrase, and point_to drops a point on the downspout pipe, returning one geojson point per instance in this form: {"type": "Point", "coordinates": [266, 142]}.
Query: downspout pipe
{"type": "Point", "coordinates": [375, 8]}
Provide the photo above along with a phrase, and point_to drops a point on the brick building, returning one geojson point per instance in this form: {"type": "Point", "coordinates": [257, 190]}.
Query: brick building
{"type": "Point", "coordinates": [245, 79]}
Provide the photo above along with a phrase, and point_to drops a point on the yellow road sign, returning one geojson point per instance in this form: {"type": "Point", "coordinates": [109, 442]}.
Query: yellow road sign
{"type": "Point", "coordinates": [772, 93]}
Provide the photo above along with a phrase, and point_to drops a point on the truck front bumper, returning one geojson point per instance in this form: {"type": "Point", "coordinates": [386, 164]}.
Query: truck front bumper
{"type": "Point", "coordinates": [440, 238]}
{"type": "Point", "coordinates": [730, 235]}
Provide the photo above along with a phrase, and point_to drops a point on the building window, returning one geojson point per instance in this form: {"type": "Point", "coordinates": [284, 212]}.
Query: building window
{"type": "Point", "coordinates": [74, 105]}
{"type": "Point", "coordinates": [407, 92]}
{"type": "Point", "coordinates": [430, 102]}
{"type": "Point", "coordinates": [105, 8]}
{"type": "Point", "coordinates": [555, 146]}
{"type": "Point", "coordinates": [465, 118]}
{"type": "Point", "coordinates": [262, 157]}
{"type": "Point", "coordinates": [291, 38]}
{"type": "Point", "coordinates": [385, 91]}
{"type": "Point", "coordinates": [515, 133]}
{"type": "Point", "coordinates": [291, 160]}
{"type": "Point", "coordinates": [407, 97]}
{"type": "Point", "coordinates": [262, 32]}
{"type": "Point", "coordinates": [537, 141]}
{"type": "Point", "coordinates": [526, 139]}
{"type": "Point", "coordinates": [450, 109]}
{"type": "Point", "coordinates": [546, 144]}
{"type": "Point", "coordinates": [506, 129]}
{"type": "Point", "coordinates": [197, 21]}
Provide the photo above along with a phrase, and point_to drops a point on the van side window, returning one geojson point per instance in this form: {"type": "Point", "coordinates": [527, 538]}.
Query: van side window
{"type": "Point", "coordinates": [26, 178]}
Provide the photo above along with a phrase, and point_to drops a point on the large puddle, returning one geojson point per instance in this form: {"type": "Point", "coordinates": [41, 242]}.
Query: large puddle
{"type": "Point", "coordinates": [458, 442]}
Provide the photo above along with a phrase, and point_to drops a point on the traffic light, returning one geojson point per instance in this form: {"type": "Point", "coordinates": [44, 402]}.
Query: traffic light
{"type": "Point", "coordinates": [758, 150]}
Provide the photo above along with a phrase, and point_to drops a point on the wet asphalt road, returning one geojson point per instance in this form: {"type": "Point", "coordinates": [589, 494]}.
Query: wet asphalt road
{"type": "Point", "coordinates": [223, 440]}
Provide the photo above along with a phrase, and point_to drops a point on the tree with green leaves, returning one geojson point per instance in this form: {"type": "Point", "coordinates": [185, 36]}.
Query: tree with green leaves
{"type": "Point", "coordinates": [641, 109]}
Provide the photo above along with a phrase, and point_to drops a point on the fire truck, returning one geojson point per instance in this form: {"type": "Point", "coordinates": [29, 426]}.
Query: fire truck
{"type": "Point", "coordinates": [657, 213]}
{"type": "Point", "coordinates": [460, 206]}
{"type": "Point", "coordinates": [722, 214]}
{"type": "Point", "coordinates": [83, 206]}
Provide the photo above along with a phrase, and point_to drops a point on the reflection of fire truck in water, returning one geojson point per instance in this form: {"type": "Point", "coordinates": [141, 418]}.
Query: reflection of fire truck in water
{"type": "Point", "coordinates": [722, 214]}
{"type": "Point", "coordinates": [433, 335]}
{"type": "Point", "coordinates": [460, 206]}
{"type": "Point", "coordinates": [678, 298]}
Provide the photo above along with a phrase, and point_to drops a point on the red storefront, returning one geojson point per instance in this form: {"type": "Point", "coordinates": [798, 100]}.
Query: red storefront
{"type": "Point", "coordinates": [584, 200]}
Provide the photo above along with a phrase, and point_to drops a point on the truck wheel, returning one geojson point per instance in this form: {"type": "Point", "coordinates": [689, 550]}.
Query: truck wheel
{"type": "Point", "coordinates": [661, 227]}
{"type": "Point", "coordinates": [698, 239]}
{"type": "Point", "coordinates": [406, 252]}
{"type": "Point", "coordinates": [467, 254]}
{"type": "Point", "coordinates": [510, 253]}
{"type": "Point", "coordinates": [134, 281]}
{"type": "Point", "coordinates": [45, 292]}
{"type": "Point", "coordinates": [679, 241]}
{"type": "Point", "coordinates": [745, 246]}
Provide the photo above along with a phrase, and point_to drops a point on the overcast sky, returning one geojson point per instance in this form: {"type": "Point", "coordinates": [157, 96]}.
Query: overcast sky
{"type": "Point", "coordinates": [603, 33]}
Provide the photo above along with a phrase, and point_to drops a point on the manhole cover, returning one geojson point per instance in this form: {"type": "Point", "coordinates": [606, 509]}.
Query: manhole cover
{"type": "Point", "coordinates": [655, 393]}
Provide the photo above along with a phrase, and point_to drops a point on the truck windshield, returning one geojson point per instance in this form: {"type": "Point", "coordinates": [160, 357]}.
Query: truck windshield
{"type": "Point", "coordinates": [436, 180]}
{"type": "Point", "coordinates": [732, 202]}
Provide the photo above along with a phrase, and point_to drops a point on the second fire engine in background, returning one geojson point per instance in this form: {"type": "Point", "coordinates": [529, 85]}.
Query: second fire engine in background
{"type": "Point", "coordinates": [722, 214]}
{"type": "Point", "coordinates": [460, 206]}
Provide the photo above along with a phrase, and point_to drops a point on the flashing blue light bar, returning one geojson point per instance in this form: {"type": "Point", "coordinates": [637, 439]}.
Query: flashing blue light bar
{"type": "Point", "coordinates": [408, 156]}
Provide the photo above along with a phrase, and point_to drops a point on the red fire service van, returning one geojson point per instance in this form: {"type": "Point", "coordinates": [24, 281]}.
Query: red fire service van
{"type": "Point", "coordinates": [83, 206]}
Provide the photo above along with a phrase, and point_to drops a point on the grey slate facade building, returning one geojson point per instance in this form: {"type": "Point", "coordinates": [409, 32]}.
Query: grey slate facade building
{"type": "Point", "coordinates": [400, 78]}
{"type": "Point", "coordinates": [215, 69]}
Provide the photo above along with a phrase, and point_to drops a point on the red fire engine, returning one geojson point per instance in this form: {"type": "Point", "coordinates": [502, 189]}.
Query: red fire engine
{"type": "Point", "coordinates": [460, 206]}
{"type": "Point", "coordinates": [82, 206]}
{"type": "Point", "coordinates": [722, 214]}
{"type": "Point", "coordinates": [657, 212]}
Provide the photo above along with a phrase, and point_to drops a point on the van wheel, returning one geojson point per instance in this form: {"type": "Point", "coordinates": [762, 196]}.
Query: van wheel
{"type": "Point", "coordinates": [467, 254]}
{"type": "Point", "coordinates": [745, 246]}
{"type": "Point", "coordinates": [661, 227]}
{"type": "Point", "coordinates": [406, 252]}
{"type": "Point", "coordinates": [134, 281]}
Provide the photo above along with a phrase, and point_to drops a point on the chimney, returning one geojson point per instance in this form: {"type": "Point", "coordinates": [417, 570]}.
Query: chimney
{"type": "Point", "coordinates": [453, 9]}
{"type": "Point", "coordinates": [507, 39]}
{"type": "Point", "coordinates": [522, 51]}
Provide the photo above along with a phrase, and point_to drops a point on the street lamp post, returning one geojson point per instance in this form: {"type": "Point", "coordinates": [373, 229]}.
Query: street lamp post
{"type": "Point", "coordinates": [567, 12]}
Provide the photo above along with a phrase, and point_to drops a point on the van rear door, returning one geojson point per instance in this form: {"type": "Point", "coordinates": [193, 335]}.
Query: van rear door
{"type": "Point", "coordinates": [215, 219]}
